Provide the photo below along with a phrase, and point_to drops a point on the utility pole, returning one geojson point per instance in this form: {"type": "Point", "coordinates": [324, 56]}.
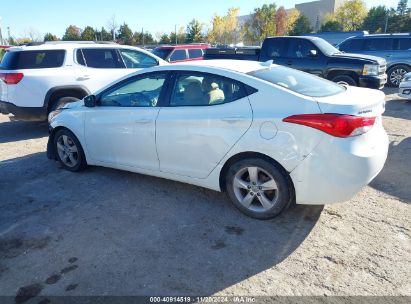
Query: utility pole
{"type": "Point", "coordinates": [386, 23]}
{"type": "Point", "coordinates": [1, 36]}
{"type": "Point", "coordinates": [9, 36]}
{"type": "Point", "coordinates": [142, 35]}
{"type": "Point", "coordinates": [175, 31]}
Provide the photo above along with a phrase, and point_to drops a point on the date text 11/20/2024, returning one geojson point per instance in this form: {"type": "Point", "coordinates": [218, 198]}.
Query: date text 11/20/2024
{"type": "Point", "coordinates": [211, 299]}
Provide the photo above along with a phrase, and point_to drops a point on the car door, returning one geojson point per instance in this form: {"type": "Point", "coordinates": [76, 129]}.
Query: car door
{"type": "Point", "coordinates": [205, 117]}
{"type": "Point", "coordinates": [120, 131]}
{"type": "Point", "coordinates": [303, 55]}
{"type": "Point", "coordinates": [98, 67]}
{"type": "Point", "coordinates": [380, 47]}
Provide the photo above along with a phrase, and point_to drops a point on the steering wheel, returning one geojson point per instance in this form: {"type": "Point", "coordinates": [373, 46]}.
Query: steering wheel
{"type": "Point", "coordinates": [140, 99]}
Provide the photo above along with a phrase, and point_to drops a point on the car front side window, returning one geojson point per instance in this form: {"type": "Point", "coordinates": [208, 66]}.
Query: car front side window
{"type": "Point", "coordinates": [137, 60]}
{"type": "Point", "coordinates": [143, 91]}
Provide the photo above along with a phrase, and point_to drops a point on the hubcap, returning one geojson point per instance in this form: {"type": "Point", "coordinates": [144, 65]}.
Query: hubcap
{"type": "Point", "coordinates": [397, 75]}
{"type": "Point", "coordinates": [255, 189]}
{"type": "Point", "coordinates": [67, 151]}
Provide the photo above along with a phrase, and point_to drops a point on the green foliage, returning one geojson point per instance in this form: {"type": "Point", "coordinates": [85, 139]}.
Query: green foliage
{"type": "Point", "coordinates": [72, 34]}
{"type": "Point", "coordinates": [194, 32]}
{"type": "Point", "coordinates": [376, 19]}
{"type": "Point", "coordinates": [224, 28]}
{"type": "Point", "coordinates": [350, 15]}
{"type": "Point", "coordinates": [2, 52]}
{"type": "Point", "coordinates": [88, 34]}
{"type": "Point", "coordinates": [164, 39]}
{"type": "Point", "coordinates": [181, 36]}
{"type": "Point", "coordinates": [261, 25]}
{"type": "Point", "coordinates": [125, 35]}
{"type": "Point", "coordinates": [331, 26]}
{"type": "Point", "coordinates": [141, 39]}
{"type": "Point", "coordinates": [104, 35]}
{"type": "Point", "coordinates": [402, 7]}
{"type": "Point", "coordinates": [50, 37]}
{"type": "Point", "coordinates": [301, 26]}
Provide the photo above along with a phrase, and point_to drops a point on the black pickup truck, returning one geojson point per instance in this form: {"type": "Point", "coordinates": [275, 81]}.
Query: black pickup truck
{"type": "Point", "coordinates": [313, 55]}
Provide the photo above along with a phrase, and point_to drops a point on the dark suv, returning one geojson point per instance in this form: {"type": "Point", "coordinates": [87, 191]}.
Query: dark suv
{"type": "Point", "coordinates": [395, 48]}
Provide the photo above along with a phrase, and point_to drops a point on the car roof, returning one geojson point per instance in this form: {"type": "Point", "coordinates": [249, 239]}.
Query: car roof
{"type": "Point", "coordinates": [61, 45]}
{"type": "Point", "coordinates": [393, 35]}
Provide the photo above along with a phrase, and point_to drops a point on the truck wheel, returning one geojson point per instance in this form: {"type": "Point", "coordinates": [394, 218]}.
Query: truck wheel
{"type": "Point", "coordinates": [396, 74]}
{"type": "Point", "coordinates": [61, 102]}
{"type": "Point", "coordinates": [345, 80]}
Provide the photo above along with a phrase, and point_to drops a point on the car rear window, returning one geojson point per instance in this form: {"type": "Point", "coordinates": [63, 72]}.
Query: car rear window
{"type": "Point", "coordinates": [299, 82]}
{"type": "Point", "coordinates": [39, 59]}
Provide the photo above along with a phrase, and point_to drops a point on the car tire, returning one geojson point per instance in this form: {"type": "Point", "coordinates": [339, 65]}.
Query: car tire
{"type": "Point", "coordinates": [345, 80]}
{"type": "Point", "coordinates": [396, 73]}
{"type": "Point", "coordinates": [258, 188]}
{"type": "Point", "coordinates": [68, 151]}
{"type": "Point", "coordinates": [61, 102]}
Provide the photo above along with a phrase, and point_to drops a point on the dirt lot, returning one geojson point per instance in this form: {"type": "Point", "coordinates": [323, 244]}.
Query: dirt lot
{"type": "Point", "coordinates": [106, 232]}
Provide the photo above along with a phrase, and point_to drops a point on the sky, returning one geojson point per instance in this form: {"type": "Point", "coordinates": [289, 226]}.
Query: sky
{"type": "Point", "coordinates": [41, 16]}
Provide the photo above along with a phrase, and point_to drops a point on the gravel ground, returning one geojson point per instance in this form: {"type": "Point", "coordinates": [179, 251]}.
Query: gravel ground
{"type": "Point", "coordinates": [107, 232]}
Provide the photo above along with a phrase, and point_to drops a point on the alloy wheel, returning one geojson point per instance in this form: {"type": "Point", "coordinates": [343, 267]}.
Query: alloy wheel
{"type": "Point", "coordinates": [67, 151]}
{"type": "Point", "coordinates": [397, 75]}
{"type": "Point", "coordinates": [255, 189]}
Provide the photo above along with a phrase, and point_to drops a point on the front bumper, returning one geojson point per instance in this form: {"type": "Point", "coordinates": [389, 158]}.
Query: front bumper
{"type": "Point", "coordinates": [340, 167]}
{"type": "Point", "coordinates": [373, 82]}
{"type": "Point", "coordinates": [405, 90]}
{"type": "Point", "coordinates": [23, 113]}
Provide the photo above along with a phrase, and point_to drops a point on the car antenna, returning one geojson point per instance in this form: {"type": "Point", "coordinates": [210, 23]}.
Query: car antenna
{"type": "Point", "coordinates": [268, 63]}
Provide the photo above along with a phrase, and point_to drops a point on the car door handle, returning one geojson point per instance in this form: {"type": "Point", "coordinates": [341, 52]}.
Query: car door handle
{"type": "Point", "coordinates": [143, 121]}
{"type": "Point", "coordinates": [84, 77]}
{"type": "Point", "coordinates": [233, 118]}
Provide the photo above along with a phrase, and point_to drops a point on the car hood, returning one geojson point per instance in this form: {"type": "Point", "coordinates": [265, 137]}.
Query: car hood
{"type": "Point", "coordinates": [381, 61]}
{"type": "Point", "coordinates": [73, 105]}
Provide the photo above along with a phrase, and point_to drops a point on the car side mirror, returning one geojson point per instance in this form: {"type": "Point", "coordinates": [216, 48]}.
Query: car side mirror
{"type": "Point", "coordinates": [313, 53]}
{"type": "Point", "coordinates": [90, 101]}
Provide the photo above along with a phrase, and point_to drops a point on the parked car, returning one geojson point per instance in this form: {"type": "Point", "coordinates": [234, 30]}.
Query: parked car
{"type": "Point", "coordinates": [335, 38]}
{"type": "Point", "coordinates": [263, 133]}
{"type": "Point", "coordinates": [405, 87]}
{"type": "Point", "coordinates": [35, 80]}
{"type": "Point", "coordinates": [313, 55]}
{"type": "Point", "coordinates": [181, 53]}
{"type": "Point", "coordinates": [395, 48]}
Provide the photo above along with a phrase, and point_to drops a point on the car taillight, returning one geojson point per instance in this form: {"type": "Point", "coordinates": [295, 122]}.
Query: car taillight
{"type": "Point", "coordinates": [11, 78]}
{"type": "Point", "coordinates": [338, 125]}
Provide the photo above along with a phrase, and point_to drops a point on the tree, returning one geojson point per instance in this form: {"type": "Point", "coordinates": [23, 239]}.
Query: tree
{"type": "Point", "coordinates": [225, 28]}
{"type": "Point", "coordinates": [50, 37]}
{"type": "Point", "coordinates": [301, 26]}
{"type": "Point", "coordinates": [291, 19]}
{"type": "Point", "coordinates": [331, 26]}
{"type": "Point", "coordinates": [125, 35]}
{"type": "Point", "coordinates": [280, 21]}
{"type": "Point", "coordinates": [402, 7]}
{"type": "Point", "coordinates": [194, 32]}
{"type": "Point", "coordinates": [164, 39]}
{"type": "Point", "coordinates": [142, 39]}
{"type": "Point", "coordinates": [262, 24]}
{"type": "Point", "coordinates": [350, 15]}
{"type": "Point", "coordinates": [112, 26]}
{"type": "Point", "coordinates": [72, 33]}
{"type": "Point", "coordinates": [181, 36]}
{"type": "Point", "coordinates": [105, 35]}
{"type": "Point", "coordinates": [376, 19]}
{"type": "Point", "coordinates": [88, 34]}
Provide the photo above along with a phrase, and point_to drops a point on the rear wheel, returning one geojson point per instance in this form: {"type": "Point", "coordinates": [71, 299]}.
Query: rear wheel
{"type": "Point", "coordinates": [258, 188]}
{"type": "Point", "coordinates": [69, 152]}
{"type": "Point", "coordinates": [344, 80]}
{"type": "Point", "coordinates": [396, 74]}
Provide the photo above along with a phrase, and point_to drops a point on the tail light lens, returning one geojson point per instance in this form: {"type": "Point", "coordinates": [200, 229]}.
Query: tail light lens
{"type": "Point", "coordinates": [337, 125]}
{"type": "Point", "coordinates": [11, 78]}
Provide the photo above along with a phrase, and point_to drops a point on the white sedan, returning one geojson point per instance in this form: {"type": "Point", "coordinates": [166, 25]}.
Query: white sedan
{"type": "Point", "coordinates": [405, 87]}
{"type": "Point", "coordinates": [266, 134]}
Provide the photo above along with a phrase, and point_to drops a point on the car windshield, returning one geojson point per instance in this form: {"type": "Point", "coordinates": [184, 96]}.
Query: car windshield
{"type": "Point", "coordinates": [298, 81]}
{"type": "Point", "coordinates": [162, 53]}
{"type": "Point", "coordinates": [326, 47]}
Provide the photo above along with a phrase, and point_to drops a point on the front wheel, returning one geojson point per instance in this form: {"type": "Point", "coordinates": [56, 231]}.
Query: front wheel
{"type": "Point", "coordinates": [69, 152]}
{"type": "Point", "coordinates": [396, 74]}
{"type": "Point", "coordinates": [258, 188]}
{"type": "Point", "coordinates": [344, 80]}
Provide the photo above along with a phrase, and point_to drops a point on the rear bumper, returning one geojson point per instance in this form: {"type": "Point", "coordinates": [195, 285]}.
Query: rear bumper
{"type": "Point", "coordinates": [339, 168]}
{"type": "Point", "coordinates": [24, 113]}
{"type": "Point", "coordinates": [373, 82]}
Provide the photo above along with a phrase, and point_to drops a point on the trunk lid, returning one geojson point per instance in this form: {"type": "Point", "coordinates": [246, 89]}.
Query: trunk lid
{"type": "Point", "coordinates": [354, 101]}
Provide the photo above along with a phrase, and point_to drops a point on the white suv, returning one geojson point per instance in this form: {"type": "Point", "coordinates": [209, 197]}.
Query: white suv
{"type": "Point", "coordinates": [35, 80]}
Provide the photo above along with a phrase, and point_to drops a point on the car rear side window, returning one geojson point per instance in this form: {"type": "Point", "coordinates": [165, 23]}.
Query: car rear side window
{"type": "Point", "coordinates": [403, 44]}
{"type": "Point", "coordinates": [101, 58]}
{"type": "Point", "coordinates": [178, 55]}
{"type": "Point", "coordinates": [39, 59]}
{"type": "Point", "coordinates": [275, 48]}
{"type": "Point", "coordinates": [195, 53]}
{"type": "Point", "coordinates": [299, 82]}
{"type": "Point", "coordinates": [352, 45]}
{"type": "Point", "coordinates": [378, 44]}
